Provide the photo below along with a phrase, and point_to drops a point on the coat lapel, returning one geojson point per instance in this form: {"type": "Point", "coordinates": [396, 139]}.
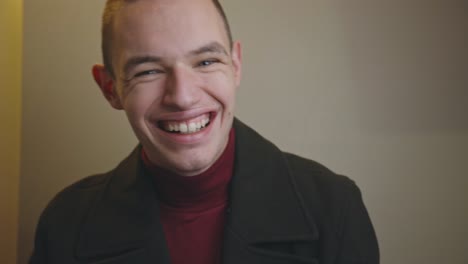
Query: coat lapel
{"type": "Point", "coordinates": [267, 222]}
{"type": "Point", "coordinates": [123, 224]}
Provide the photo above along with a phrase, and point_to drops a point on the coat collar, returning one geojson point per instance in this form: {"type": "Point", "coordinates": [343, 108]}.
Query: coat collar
{"type": "Point", "coordinates": [266, 211]}
{"type": "Point", "coordinates": [264, 207]}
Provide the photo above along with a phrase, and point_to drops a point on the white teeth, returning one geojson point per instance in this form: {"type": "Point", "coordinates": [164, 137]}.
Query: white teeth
{"type": "Point", "coordinates": [204, 122]}
{"type": "Point", "coordinates": [183, 128]}
{"type": "Point", "coordinates": [192, 127]}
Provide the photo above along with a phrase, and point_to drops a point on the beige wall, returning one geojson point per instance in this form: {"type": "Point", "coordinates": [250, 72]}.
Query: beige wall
{"type": "Point", "coordinates": [376, 90]}
{"type": "Point", "coordinates": [10, 119]}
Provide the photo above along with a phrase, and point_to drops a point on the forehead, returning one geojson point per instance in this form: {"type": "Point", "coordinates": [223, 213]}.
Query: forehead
{"type": "Point", "coordinates": [167, 24]}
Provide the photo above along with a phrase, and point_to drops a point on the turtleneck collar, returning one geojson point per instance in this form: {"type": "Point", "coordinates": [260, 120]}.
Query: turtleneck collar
{"type": "Point", "coordinates": [195, 193]}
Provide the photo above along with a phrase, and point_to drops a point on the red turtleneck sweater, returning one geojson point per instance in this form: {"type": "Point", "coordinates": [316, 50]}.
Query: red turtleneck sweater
{"type": "Point", "coordinates": [193, 209]}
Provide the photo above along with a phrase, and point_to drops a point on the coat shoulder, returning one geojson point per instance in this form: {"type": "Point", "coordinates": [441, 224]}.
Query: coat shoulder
{"type": "Point", "coordinates": [336, 203]}
{"type": "Point", "coordinates": [87, 188]}
{"type": "Point", "coordinates": [70, 205]}
{"type": "Point", "coordinates": [324, 194]}
{"type": "Point", "coordinates": [59, 221]}
{"type": "Point", "coordinates": [315, 174]}
{"type": "Point", "coordinates": [79, 190]}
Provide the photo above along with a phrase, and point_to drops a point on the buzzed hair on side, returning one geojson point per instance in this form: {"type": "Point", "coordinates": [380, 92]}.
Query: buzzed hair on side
{"type": "Point", "coordinates": [112, 6]}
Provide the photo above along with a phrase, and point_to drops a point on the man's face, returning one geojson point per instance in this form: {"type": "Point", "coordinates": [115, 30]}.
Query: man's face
{"type": "Point", "coordinates": [176, 78]}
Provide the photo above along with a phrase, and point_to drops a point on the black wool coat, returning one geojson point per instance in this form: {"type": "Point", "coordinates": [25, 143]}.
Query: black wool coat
{"type": "Point", "coordinates": [283, 209]}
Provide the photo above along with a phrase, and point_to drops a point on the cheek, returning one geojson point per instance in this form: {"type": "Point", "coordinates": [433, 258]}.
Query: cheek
{"type": "Point", "coordinates": [139, 101]}
{"type": "Point", "coordinates": [223, 90]}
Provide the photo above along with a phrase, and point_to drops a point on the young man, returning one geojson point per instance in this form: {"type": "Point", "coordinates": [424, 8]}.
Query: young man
{"type": "Point", "coordinates": [202, 188]}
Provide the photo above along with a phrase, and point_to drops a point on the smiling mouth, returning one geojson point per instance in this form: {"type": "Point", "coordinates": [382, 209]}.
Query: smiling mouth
{"type": "Point", "coordinates": [189, 126]}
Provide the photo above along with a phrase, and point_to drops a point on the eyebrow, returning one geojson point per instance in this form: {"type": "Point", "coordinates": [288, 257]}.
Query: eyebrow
{"type": "Point", "coordinates": [137, 60]}
{"type": "Point", "coordinates": [212, 47]}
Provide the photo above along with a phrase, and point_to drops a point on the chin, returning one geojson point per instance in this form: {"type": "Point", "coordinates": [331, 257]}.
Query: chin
{"type": "Point", "coordinates": [184, 159]}
{"type": "Point", "coordinates": [191, 167]}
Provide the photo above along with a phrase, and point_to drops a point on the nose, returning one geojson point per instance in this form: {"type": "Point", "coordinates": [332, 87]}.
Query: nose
{"type": "Point", "coordinates": [182, 90]}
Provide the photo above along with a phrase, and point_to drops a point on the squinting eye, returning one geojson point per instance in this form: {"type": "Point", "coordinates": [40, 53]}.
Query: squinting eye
{"type": "Point", "coordinates": [206, 63]}
{"type": "Point", "coordinates": [143, 73]}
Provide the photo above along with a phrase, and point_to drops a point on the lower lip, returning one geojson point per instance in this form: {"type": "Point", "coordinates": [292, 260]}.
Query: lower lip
{"type": "Point", "coordinates": [189, 138]}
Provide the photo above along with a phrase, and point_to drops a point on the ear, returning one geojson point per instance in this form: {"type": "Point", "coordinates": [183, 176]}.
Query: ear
{"type": "Point", "coordinates": [236, 56]}
{"type": "Point", "coordinates": [107, 85]}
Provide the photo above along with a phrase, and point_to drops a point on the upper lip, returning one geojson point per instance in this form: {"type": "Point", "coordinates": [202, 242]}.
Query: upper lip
{"type": "Point", "coordinates": [184, 115]}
